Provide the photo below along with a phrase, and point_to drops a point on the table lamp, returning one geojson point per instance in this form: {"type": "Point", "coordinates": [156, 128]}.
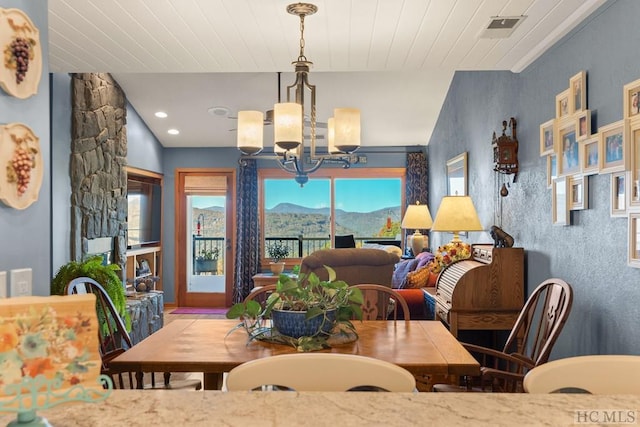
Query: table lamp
{"type": "Point", "coordinates": [456, 214]}
{"type": "Point", "coordinates": [417, 217]}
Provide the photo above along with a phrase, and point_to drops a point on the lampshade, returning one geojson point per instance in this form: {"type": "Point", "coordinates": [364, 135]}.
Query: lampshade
{"type": "Point", "coordinates": [456, 214]}
{"type": "Point", "coordinates": [417, 217]}
{"type": "Point", "coordinates": [331, 136]}
{"type": "Point", "coordinates": [250, 127]}
{"type": "Point", "coordinates": [287, 125]}
{"type": "Point", "coordinates": [347, 129]}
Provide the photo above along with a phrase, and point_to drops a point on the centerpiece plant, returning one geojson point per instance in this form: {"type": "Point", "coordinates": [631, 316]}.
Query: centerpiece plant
{"type": "Point", "coordinates": [329, 304]}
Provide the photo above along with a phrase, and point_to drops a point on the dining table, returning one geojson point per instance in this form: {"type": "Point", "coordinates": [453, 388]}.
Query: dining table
{"type": "Point", "coordinates": [425, 348]}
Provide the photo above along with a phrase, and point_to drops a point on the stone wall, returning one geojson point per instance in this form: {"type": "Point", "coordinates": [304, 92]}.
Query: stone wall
{"type": "Point", "coordinates": [98, 160]}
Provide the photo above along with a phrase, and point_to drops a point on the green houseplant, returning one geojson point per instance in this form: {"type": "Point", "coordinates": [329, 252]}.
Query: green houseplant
{"type": "Point", "coordinates": [331, 304]}
{"type": "Point", "coordinates": [104, 274]}
{"type": "Point", "coordinates": [207, 260]}
{"type": "Point", "coordinates": [277, 252]}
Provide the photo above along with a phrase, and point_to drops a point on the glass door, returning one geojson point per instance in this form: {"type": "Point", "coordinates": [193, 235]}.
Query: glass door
{"type": "Point", "coordinates": [204, 234]}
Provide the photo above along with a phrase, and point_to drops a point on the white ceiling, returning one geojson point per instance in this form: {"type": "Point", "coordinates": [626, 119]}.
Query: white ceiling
{"type": "Point", "coordinates": [393, 59]}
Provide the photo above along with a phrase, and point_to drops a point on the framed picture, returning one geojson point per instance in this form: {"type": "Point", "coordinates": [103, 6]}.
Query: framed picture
{"type": "Point", "coordinates": [562, 104]}
{"type": "Point", "coordinates": [583, 125]}
{"type": "Point", "coordinates": [633, 258]}
{"type": "Point", "coordinates": [457, 175]}
{"type": "Point", "coordinates": [618, 192]}
{"type": "Point", "coordinates": [568, 153]}
{"type": "Point", "coordinates": [578, 193]}
{"type": "Point", "coordinates": [613, 155]}
{"type": "Point", "coordinates": [559, 194]}
{"type": "Point", "coordinates": [552, 169]}
{"type": "Point", "coordinates": [546, 138]}
{"type": "Point", "coordinates": [631, 99]}
{"type": "Point", "coordinates": [578, 92]}
{"type": "Point", "coordinates": [589, 155]}
{"type": "Point", "coordinates": [633, 136]}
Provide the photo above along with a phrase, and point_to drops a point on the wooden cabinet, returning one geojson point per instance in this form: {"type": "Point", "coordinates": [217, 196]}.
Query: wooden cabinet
{"type": "Point", "coordinates": [145, 264]}
{"type": "Point", "coordinates": [483, 292]}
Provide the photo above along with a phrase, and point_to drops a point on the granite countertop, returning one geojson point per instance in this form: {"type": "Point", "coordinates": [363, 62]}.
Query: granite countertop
{"type": "Point", "coordinates": [135, 408]}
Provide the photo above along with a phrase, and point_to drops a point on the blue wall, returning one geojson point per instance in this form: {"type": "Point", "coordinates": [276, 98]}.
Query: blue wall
{"type": "Point", "coordinates": [591, 253]}
{"type": "Point", "coordinates": [25, 234]}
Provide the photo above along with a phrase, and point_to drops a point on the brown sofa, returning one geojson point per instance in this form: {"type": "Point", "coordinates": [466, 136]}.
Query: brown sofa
{"type": "Point", "coordinates": [353, 265]}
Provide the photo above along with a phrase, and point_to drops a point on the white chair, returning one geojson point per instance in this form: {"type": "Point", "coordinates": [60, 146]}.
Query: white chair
{"type": "Point", "coordinates": [598, 374]}
{"type": "Point", "coordinates": [320, 372]}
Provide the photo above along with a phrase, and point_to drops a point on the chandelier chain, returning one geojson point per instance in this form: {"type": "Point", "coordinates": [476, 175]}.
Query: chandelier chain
{"type": "Point", "coordinates": [301, 57]}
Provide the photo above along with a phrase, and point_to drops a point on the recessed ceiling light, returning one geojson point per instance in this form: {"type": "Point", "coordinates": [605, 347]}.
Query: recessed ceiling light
{"type": "Point", "coordinates": [173, 131]}
{"type": "Point", "coordinates": [219, 111]}
{"type": "Point", "coordinates": [161, 115]}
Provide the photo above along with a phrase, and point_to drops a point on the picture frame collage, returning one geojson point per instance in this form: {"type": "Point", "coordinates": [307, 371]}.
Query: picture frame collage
{"type": "Point", "coordinates": [630, 174]}
{"type": "Point", "coordinates": [571, 150]}
{"type": "Point", "coordinates": [573, 153]}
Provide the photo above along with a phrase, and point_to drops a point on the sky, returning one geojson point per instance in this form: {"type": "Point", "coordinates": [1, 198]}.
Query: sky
{"type": "Point", "coordinates": [352, 195]}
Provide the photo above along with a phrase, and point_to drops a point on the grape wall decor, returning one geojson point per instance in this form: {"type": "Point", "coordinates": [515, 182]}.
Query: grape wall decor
{"type": "Point", "coordinates": [21, 165]}
{"type": "Point", "coordinates": [21, 65]}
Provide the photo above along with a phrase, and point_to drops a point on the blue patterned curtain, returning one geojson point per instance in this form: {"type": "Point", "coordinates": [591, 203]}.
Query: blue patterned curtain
{"type": "Point", "coordinates": [417, 181]}
{"type": "Point", "coordinates": [247, 243]}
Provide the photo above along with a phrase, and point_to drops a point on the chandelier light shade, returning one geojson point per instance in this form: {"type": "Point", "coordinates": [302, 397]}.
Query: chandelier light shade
{"type": "Point", "coordinates": [289, 126]}
{"type": "Point", "coordinates": [347, 129]}
{"type": "Point", "coordinates": [456, 214]}
{"type": "Point", "coordinates": [331, 136]}
{"type": "Point", "coordinates": [417, 217]}
{"type": "Point", "coordinates": [250, 130]}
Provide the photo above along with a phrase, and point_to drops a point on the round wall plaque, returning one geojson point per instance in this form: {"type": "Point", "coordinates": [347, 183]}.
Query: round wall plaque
{"type": "Point", "coordinates": [21, 65]}
{"type": "Point", "coordinates": [21, 167]}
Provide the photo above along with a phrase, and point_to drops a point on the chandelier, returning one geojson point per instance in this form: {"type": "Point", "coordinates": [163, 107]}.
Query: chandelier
{"type": "Point", "coordinates": [343, 130]}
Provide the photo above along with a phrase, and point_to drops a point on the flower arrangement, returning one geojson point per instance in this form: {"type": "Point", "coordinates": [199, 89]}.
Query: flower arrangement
{"type": "Point", "coordinates": [449, 253]}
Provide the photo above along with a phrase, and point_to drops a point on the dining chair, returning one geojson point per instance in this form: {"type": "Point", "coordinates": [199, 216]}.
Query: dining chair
{"type": "Point", "coordinates": [594, 374]}
{"type": "Point", "coordinates": [529, 343]}
{"type": "Point", "coordinates": [320, 372]}
{"type": "Point", "coordinates": [114, 338]}
{"type": "Point", "coordinates": [382, 303]}
{"type": "Point", "coordinates": [260, 294]}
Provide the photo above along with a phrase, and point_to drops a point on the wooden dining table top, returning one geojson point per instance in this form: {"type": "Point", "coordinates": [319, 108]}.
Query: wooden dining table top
{"type": "Point", "coordinates": [205, 345]}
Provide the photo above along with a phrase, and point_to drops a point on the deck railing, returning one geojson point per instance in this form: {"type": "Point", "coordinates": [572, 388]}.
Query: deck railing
{"type": "Point", "coordinates": [299, 247]}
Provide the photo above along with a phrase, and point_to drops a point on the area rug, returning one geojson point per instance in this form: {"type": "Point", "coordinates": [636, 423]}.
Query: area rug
{"type": "Point", "coordinates": [199, 310]}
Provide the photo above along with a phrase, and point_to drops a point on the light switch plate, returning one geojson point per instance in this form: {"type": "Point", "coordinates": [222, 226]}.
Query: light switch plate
{"type": "Point", "coordinates": [3, 284]}
{"type": "Point", "coordinates": [20, 282]}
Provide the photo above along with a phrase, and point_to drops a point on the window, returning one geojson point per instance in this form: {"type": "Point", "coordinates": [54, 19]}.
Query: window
{"type": "Point", "coordinates": [365, 203]}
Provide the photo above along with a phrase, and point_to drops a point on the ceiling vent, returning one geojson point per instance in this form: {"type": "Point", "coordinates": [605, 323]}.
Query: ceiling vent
{"type": "Point", "coordinates": [501, 27]}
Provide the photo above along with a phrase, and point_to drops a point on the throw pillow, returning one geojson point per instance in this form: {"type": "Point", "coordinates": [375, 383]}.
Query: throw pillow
{"type": "Point", "coordinates": [399, 278]}
{"type": "Point", "coordinates": [418, 278]}
{"type": "Point", "coordinates": [425, 258]}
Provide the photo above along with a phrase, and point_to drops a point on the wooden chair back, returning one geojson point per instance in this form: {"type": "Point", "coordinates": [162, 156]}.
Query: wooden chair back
{"type": "Point", "coordinates": [115, 340]}
{"type": "Point", "coordinates": [540, 321]}
{"type": "Point", "coordinates": [529, 344]}
{"type": "Point", "coordinates": [596, 374]}
{"type": "Point", "coordinates": [382, 303]}
{"type": "Point", "coordinates": [320, 372]}
{"type": "Point", "coordinates": [113, 336]}
{"type": "Point", "coordinates": [260, 294]}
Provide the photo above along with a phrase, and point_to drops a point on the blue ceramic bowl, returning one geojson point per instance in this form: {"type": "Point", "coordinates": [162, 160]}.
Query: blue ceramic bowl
{"type": "Point", "coordinates": [293, 323]}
